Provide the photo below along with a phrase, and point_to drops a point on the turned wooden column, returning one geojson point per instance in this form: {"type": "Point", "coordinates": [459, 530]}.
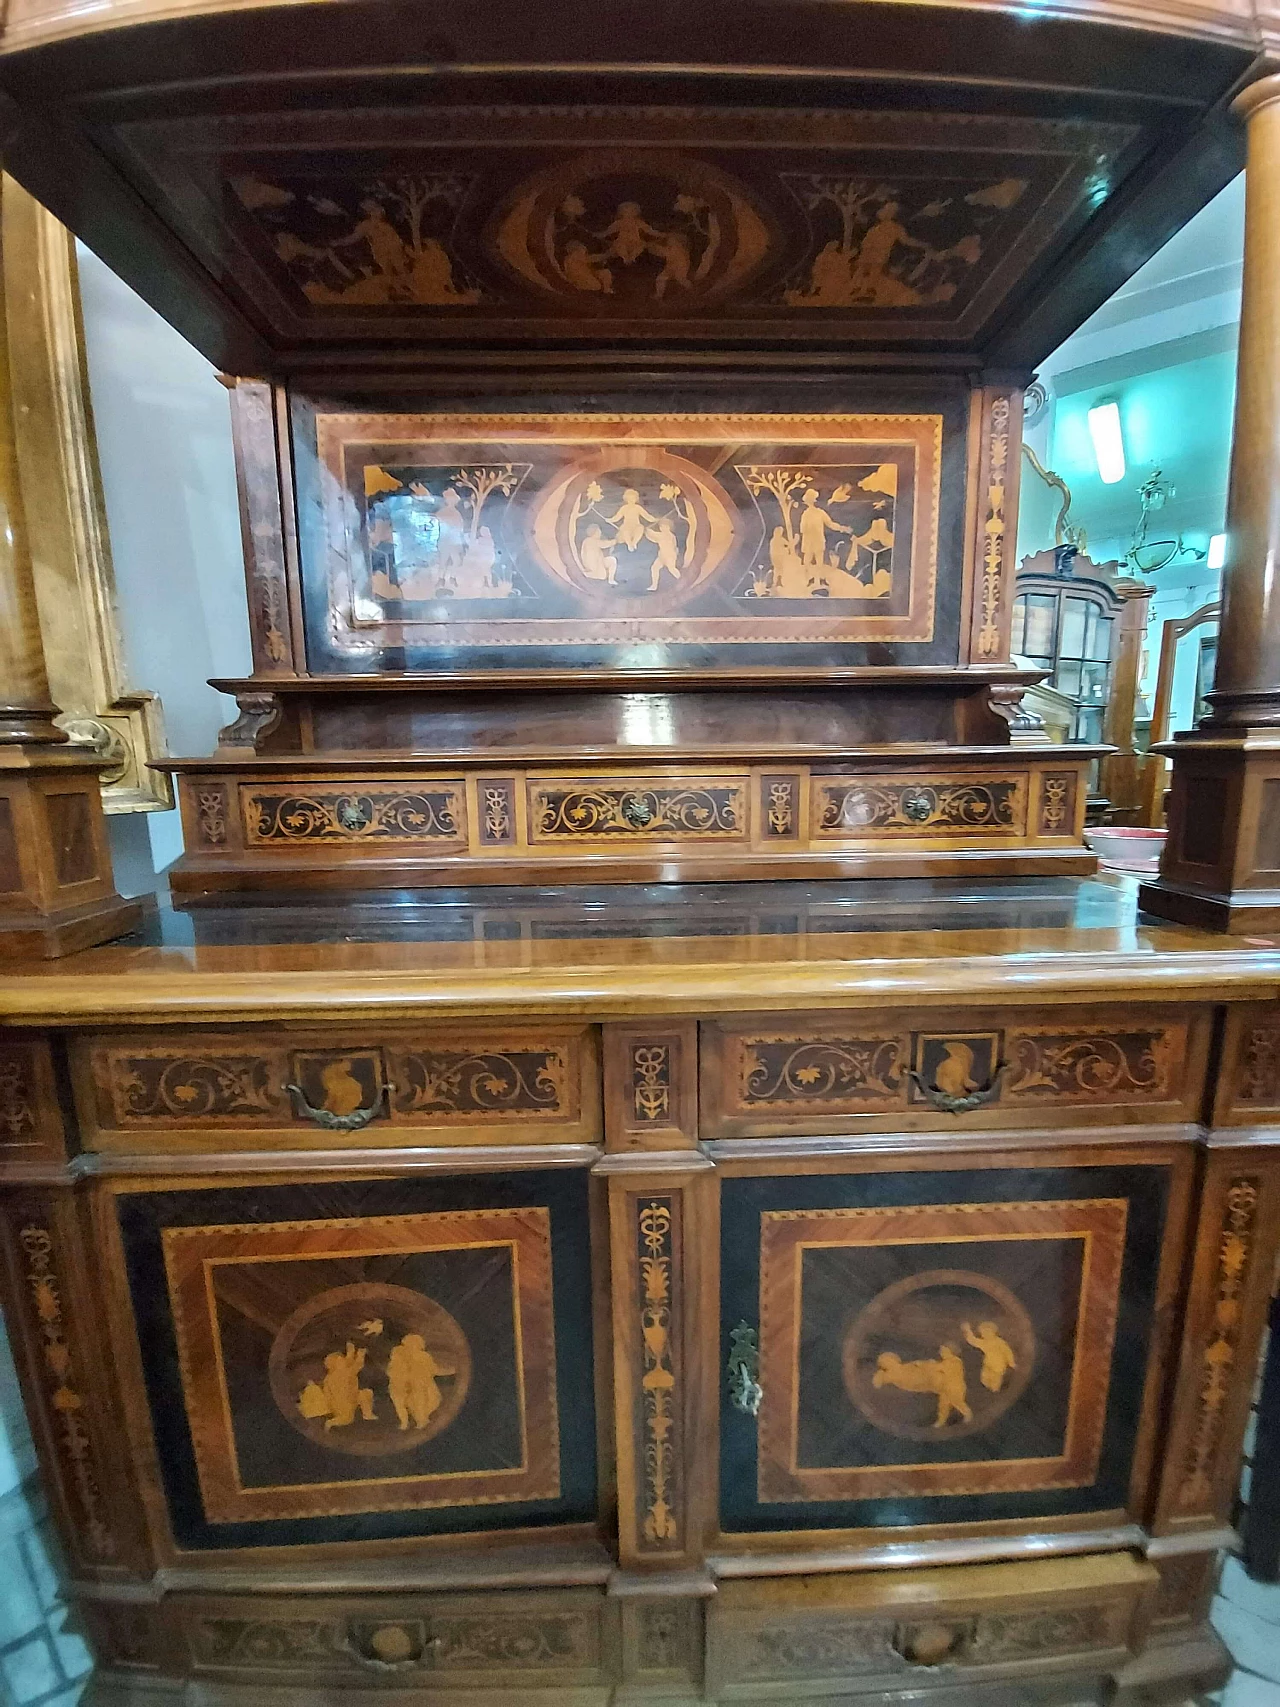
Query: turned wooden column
{"type": "Point", "coordinates": [1247, 683]}
{"type": "Point", "coordinates": [57, 893]}
{"type": "Point", "coordinates": [1221, 864]}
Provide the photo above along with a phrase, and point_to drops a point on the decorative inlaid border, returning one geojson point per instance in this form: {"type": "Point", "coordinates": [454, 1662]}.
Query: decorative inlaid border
{"type": "Point", "coordinates": [995, 475]}
{"type": "Point", "coordinates": [659, 1492]}
{"type": "Point", "coordinates": [1220, 1351]}
{"type": "Point", "coordinates": [64, 1395]}
{"type": "Point", "coordinates": [541, 816]}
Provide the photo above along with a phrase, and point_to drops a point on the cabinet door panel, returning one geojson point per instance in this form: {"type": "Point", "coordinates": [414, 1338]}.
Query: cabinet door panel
{"type": "Point", "coordinates": [366, 1359]}
{"type": "Point", "coordinates": [938, 1347]}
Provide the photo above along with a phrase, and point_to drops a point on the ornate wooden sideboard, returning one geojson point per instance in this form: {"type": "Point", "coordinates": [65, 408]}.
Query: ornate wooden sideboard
{"type": "Point", "coordinates": [432, 1288]}
{"type": "Point", "coordinates": [748, 1294]}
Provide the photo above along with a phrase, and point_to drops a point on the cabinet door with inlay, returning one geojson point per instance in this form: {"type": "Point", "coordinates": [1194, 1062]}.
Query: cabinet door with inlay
{"type": "Point", "coordinates": [925, 1343]}
{"type": "Point", "coordinates": [364, 1360]}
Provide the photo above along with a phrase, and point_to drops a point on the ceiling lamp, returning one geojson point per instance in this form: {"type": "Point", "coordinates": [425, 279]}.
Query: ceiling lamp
{"type": "Point", "coordinates": [1108, 441]}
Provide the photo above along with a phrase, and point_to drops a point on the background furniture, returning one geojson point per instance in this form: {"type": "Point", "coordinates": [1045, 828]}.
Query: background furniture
{"type": "Point", "coordinates": [1173, 634]}
{"type": "Point", "coordinates": [1086, 626]}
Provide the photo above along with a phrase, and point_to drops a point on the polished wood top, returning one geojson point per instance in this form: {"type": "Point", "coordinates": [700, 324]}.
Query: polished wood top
{"type": "Point", "coordinates": [602, 952]}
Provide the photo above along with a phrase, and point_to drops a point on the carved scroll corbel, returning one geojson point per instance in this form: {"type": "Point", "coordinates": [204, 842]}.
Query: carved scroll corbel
{"type": "Point", "coordinates": [259, 715]}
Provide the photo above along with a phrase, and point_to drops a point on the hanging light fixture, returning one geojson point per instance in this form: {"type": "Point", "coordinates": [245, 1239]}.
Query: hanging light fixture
{"type": "Point", "coordinates": [1108, 442]}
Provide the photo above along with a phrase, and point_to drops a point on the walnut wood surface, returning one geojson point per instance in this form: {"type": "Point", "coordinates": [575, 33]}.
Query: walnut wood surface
{"type": "Point", "coordinates": [1062, 941]}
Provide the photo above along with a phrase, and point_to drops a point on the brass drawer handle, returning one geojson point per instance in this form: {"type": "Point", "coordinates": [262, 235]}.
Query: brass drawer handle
{"type": "Point", "coordinates": [950, 1104]}
{"type": "Point", "coordinates": [932, 1642]}
{"type": "Point", "coordinates": [391, 1647]}
{"type": "Point", "coordinates": [745, 1392]}
{"type": "Point", "coordinates": [324, 1117]}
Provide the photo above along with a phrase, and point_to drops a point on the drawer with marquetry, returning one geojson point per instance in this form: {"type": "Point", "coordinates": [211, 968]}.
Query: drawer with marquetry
{"type": "Point", "coordinates": [552, 1640]}
{"type": "Point", "coordinates": [767, 1640]}
{"type": "Point", "coordinates": [258, 1089]}
{"type": "Point", "coordinates": [924, 1069]}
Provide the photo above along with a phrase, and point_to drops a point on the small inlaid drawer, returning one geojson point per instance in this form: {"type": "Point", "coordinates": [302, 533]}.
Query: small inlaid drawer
{"type": "Point", "coordinates": [916, 1070]}
{"type": "Point", "coordinates": [633, 809]}
{"type": "Point", "coordinates": [265, 1090]}
{"type": "Point", "coordinates": [550, 1640]}
{"type": "Point", "coordinates": [884, 1629]}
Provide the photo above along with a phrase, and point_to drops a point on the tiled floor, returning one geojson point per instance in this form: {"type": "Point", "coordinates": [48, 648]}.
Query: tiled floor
{"type": "Point", "coordinates": [1247, 1617]}
{"type": "Point", "coordinates": [43, 1663]}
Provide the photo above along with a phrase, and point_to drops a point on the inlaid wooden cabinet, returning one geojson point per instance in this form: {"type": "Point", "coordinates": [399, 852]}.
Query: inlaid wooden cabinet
{"type": "Point", "coordinates": [760, 1356]}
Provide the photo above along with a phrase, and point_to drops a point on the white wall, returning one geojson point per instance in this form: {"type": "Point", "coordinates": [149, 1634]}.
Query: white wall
{"type": "Point", "coordinates": [164, 439]}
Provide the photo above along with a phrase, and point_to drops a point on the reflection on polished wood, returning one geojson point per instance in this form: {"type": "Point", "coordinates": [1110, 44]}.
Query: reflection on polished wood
{"type": "Point", "coordinates": [552, 953]}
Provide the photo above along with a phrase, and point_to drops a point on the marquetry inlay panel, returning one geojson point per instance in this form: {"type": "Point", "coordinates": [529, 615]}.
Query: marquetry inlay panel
{"type": "Point", "coordinates": [543, 1638]}
{"type": "Point", "coordinates": [535, 819]}
{"type": "Point", "coordinates": [535, 1083]}
{"type": "Point", "coordinates": [638, 809]}
{"type": "Point", "coordinates": [811, 1630]}
{"type": "Point", "coordinates": [1018, 1068]}
{"type": "Point", "coordinates": [381, 813]}
{"type": "Point", "coordinates": [872, 807]}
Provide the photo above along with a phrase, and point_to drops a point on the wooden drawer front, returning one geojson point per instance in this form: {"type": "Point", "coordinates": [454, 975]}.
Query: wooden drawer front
{"type": "Point", "coordinates": [868, 808]}
{"type": "Point", "coordinates": [385, 814]}
{"type": "Point", "coordinates": [886, 1629]}
{"type": "Point", "coordinates": [632, 809]}
{"type": "Point", "coordinates": [551, 1640]}
{"type": "Point", "coordinates": [506, 1084]}
{"type": "Point", "coordinates": [1010, 1067]}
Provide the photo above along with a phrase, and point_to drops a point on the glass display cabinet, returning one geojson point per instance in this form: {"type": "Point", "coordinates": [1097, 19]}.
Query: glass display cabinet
{"type": "Point", "coordinates": [1065, 622]}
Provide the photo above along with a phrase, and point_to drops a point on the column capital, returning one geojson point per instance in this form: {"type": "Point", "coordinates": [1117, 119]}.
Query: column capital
{"type": "Point", "coordinates": [1251, 100]}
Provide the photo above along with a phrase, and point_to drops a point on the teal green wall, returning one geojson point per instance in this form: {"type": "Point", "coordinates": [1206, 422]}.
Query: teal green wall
{"type": "Point", "coordinates": [1176, 418]}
